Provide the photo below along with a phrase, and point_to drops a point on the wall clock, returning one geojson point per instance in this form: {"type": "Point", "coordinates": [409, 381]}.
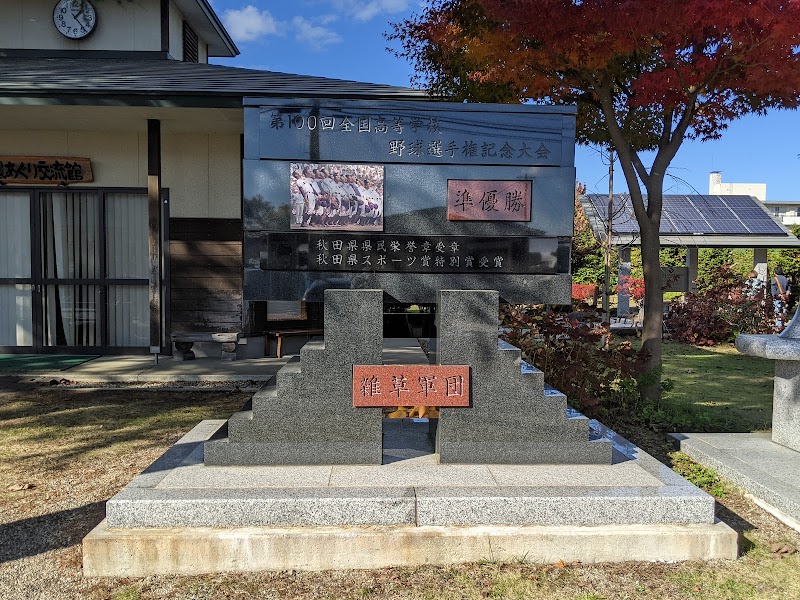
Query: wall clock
{"type": "Point", "coordinates": [74, 19]}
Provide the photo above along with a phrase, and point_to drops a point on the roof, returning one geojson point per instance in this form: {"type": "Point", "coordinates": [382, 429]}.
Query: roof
{"type": "Point", "coordinates": [693, 220]}
{"type": "Point", "coordinates": [207, 24]}
{"type": "Point", "coordinates": [141, 80]}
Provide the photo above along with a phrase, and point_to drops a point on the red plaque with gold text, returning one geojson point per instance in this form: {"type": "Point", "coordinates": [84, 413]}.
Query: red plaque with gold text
{"type": "Point", "coordinates": [488, 200]}
{"type": "Point", "coordinates": [410, 385]}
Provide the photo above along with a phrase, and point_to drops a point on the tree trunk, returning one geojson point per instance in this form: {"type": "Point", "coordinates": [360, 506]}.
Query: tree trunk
{"type": "Point", "coordinates": [648, 216]}
{"type": "Point", "coordinates": [653, 302]}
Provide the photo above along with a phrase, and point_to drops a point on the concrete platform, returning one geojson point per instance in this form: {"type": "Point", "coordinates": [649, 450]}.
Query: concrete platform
{"type": "Point", "coordinates": [180, 516]}
{"type": "Point", "coordinates": [143, 369]}
{"type": "Point", "coordinates": [191, 551]}
{"type": "Point", "coordinates": [133, 369]}
{"type": "Point", "coordinates": [766, 470]}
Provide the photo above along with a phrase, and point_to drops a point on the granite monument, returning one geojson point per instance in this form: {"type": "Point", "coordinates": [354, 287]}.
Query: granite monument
{"type": "Point", "coordinates": [494, 409]}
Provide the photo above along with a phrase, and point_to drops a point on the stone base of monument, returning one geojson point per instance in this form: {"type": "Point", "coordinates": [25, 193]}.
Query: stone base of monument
{"type": "Point", "coordinates": [310, 475]}
{"type": "Point", "coordinates": [183, 517]}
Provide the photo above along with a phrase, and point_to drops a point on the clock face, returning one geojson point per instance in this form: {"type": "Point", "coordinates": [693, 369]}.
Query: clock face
{"type": "Point", "coordinates": [74, 19]}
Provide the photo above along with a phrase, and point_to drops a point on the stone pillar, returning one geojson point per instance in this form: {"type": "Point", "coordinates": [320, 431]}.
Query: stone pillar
{"type": "Point", "coordinates": [786, 404]}
{"type": "Point", "coordinates": [623, 300]}
{"type": "Point", "coordinates": [760, 263]}
{"type": "Point", "coordinates": [691, 269]}
{"type": "Point", "coordinates": [784, 349]}
{"type": "Point", "coordinates": [511, 419]}
{"type": "Point", "coordinates": [307, 417]}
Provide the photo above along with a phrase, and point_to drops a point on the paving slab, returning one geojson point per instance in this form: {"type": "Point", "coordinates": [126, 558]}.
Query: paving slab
{"type": "Point", "coordinates": [622, 474]}
{"type": "Point", "coordinates": [143, 369]}
{"type": "Point", "coordinates": [200, 477]}
{"type": "Point", "coordinates": [752, 461]}
{"type": "Point", "coordinates": [403, 351]}
{"type": "Point", "coordinates": [573, 505]}
{"type": "Point", "coordinates": [400, 474]}
{"type": "Point", "coordinates": [407, 439]}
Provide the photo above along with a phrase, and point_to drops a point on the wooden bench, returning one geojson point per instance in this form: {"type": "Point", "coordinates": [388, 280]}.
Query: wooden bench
{"type": "Point", "coordinates": [184, 340]}
{"type": "Point", "coordinates": [280, 334]}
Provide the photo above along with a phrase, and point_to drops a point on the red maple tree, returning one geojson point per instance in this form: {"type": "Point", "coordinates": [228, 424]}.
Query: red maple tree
{"type": "Point", "coordinates": [645, 75]}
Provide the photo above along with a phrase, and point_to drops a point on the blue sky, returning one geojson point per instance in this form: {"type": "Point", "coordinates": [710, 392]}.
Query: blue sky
{"type": "Point", "coordinates": [343, 39]}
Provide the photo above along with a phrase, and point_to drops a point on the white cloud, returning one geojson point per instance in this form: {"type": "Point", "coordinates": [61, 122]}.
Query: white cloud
{"type": "Point", "coordinates": [248, 23]}
{"type": "Point", "coordinates": [326, 19]}
{"type": "Point", "coordinates": [364, 10]}
{"type": "Point", "coordinates": [315, 36]}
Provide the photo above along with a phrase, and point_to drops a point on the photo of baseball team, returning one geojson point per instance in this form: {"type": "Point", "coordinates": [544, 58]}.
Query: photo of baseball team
{"type": "Point", "coordinates": [336, 196]}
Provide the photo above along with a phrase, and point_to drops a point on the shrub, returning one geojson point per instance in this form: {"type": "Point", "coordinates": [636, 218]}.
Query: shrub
{"type": "Point", "coordinates": [719, 313]}
{"type": "Point", "coordinates": [583, 291]}
{"type": "Point", "coordinates": [599, 378]}
{"type": "Point", "coordinates": [632, 286]}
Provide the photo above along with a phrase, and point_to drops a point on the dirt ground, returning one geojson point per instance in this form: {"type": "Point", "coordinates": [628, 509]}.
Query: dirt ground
{"type": "Point", "coordinates": [64, 451]}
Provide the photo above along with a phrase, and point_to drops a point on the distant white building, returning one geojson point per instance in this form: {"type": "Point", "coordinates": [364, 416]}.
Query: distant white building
{"type": "Point", "coordinates": [786, 210]}
{"type": "Point", "coordinates": [717, 188]}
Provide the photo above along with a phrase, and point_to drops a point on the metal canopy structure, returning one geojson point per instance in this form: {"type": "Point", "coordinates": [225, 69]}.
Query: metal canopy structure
{"type": "Point", "coordinates": [694, 221]}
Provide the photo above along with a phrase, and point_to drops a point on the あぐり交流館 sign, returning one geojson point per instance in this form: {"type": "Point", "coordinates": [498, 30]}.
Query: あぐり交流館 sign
{"type": "Point", "coordinates": [45, 170]}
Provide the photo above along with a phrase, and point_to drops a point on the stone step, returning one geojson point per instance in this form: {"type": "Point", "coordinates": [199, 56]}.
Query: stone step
{"type": "Point", "coordinates": [462, 506]}
{"type": "Point", "coordinates": [265, 507]}
{"type": "Point", "coordinates": [406, 505]}
{"type": "Point", "coordinates": [500, 427]}
{"type": "Point", "coordinates": [568, 451]}
{"type": "Point", "coordinates": [290, 426]}
{"type": "Point", "coordinates": [319, 452]}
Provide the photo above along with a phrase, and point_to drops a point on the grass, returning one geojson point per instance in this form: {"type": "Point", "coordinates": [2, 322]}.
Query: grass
{"type": "Point", "coordinates": [715, 389]}
{"type": "Point", "coordinates": [703, 477]}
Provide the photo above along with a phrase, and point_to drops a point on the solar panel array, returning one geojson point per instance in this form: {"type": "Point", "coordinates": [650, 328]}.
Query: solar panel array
{"type": "Point", "coordinates": [693, 215]}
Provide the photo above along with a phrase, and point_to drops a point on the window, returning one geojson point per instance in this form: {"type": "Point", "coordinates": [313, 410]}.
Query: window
{"type": "Point", "coordinates": [74, 268]}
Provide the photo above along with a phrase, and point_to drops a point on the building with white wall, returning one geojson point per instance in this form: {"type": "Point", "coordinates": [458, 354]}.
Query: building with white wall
{"type": "Point", "coordinates": [121, 172]}
{"type": "Point", "coordinates": [785, 210]}
{"type": "Point", "coordinates": [717, 188]}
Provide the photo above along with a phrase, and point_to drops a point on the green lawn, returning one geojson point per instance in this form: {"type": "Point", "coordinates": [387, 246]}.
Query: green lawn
{"type": "Point", "coordinates": [717, 389]}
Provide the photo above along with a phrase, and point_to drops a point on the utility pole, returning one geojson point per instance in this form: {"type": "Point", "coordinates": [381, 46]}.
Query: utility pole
{"type": "Point", "coordinates": [609, 220]}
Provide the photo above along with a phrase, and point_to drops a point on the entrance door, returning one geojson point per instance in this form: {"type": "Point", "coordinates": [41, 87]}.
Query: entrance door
{"type": "Point", "coordinates": [83, 285]}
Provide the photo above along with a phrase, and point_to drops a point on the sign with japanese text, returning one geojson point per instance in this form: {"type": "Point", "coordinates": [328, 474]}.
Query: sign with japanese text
{"type": "Point", "coordinates": [411, 385]}
{"type": "Point", "coordinates": [414, 133]}
{"type": "Point", "coordinates": [408, 195]}
{"type": "Point", "coordinates": [391, 253]}
{"type": "Point", "coordinates": [47, 170]}
{"type": "Point", "coordinates": [469, 200]}
{"type": "Point", "coordinates": [674, 279]}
